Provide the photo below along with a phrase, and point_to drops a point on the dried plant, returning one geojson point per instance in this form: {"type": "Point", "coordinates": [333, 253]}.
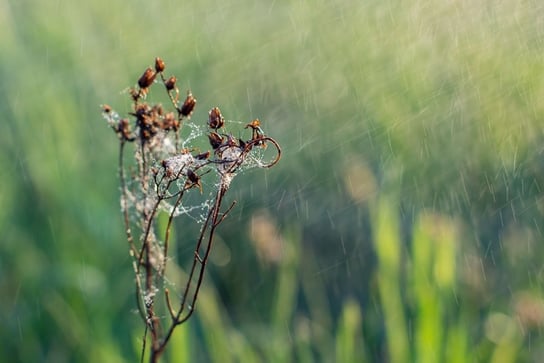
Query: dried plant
{"type": "Point", "coordinates": [166, 168]}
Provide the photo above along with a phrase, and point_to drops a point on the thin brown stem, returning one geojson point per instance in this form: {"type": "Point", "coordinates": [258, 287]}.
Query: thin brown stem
{"type": "Point", "coordinates": [143, 345]}
{"type": "Point", "coordinates": [213, 219]}
{"type": "Point", "coordinates": [147, 232]}
{"type": "Point", "coordinates": [169, 304]}
{"type": "Point", "coordinates": [124, 200]}
{"type": "Point", "coordinates": [215, 222]}
{"type": "Point", "coordinates": [169, 227]}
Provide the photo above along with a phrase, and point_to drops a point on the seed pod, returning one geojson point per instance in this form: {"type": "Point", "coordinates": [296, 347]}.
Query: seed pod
{"type": "Point", "coordinates": [256, 131]}
{"type": "Point", "coordinates": [157, 110]}
{"type": "Point", "coordinates": [170, 122]}
{"type": "Point", "coordinates": [188, 105]}
{"type": "Point", "coordinates": [215, 119]}
{"type": "Point", "coordinates": [123, 130]}
{"type": "Point", "coordinates": [215, 140]}
{"type": "Point", "coordinates": [141, 110]}
{"type": "Point", "coordinates": [170, 83]}
{"type": "Point", "coordinates": [147, 78]}
{"type": "Point", "coordinates": [192, 176]}
{"type": "Point", "coordinates": [159, 65]}
{"type": "Point", "coordinates": [193, 179]}
{"type": "Point", "coordinates": [255, 124]}
{"type": "Point", "coordinates": [203, 156]}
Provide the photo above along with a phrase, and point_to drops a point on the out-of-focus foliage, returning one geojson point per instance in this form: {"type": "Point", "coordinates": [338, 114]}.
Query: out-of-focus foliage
{"type": "Point", "coordinates": [403, 223]}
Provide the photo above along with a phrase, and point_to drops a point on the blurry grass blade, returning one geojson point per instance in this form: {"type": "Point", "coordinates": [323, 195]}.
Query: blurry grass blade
{"type": "Point", "coordinates": [388, 248]}
{"type": "Point", "coordinates": [428, 332]}
{"type": "Point", "coordinates": [287, 285]}
{"type": "Point", "coordinates": [350, 346]}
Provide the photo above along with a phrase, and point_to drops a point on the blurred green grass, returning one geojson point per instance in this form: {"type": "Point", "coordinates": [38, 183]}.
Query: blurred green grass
{"type": "Point", "coordinates": [433, 105]}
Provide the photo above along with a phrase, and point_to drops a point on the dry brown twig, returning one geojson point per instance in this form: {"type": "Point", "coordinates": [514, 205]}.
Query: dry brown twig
{"type": "Point", "coordinates": [164, 172]}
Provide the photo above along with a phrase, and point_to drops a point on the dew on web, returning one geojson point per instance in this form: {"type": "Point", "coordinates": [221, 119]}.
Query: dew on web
{"type": "Point", "coordinates": [196, 132]}
{"type": "Point", "coordinates": [196, 212]}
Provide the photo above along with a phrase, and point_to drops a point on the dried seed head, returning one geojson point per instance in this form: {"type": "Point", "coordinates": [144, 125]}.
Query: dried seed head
{"type": "Point", "coordinates": [141, 110]}
{"type": "Point", "coordinates": [124, 124]}
{"type": "Point", "coordinates": [256, 132]}
{"type": "Point", "coordinates": [123, 130]}
{"type": "Point", "coordinates": [192, 176]}
{"type": "Point", "coordinates": [147, 78]}
{"type": "Point", "coordinates": [188, 105]}
{"type": "Point", "coordinates": [159, 65]}
{"type": "Point", "coordinates": [157, 110]}
{"type": "Point", "coordinates": [170, 83]}
{"type": "Point", "coordinates": [168, 171]}
{"type": "Point", "coordinates": [170, 122]}
{"type": "Point", "coordinates": [147, 122]}
{"type": "Point", "coordinates": [193, 179]}
{"type": "Point", "coordinates": [215, 140]}
{"type": "Point", "coordinates": [254, 125]}
{"type": "Point", "coordinates": [203, 156]}
{"type": "Point", "coordinates": [215, 119]}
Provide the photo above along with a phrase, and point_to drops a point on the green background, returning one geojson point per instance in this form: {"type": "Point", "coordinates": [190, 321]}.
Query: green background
{"type": "Point", "coordinates": [403, 223]}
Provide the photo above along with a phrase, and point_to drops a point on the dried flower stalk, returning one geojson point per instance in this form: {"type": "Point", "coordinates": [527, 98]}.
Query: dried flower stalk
{"type": "Point", "coordinates": [162, 173]}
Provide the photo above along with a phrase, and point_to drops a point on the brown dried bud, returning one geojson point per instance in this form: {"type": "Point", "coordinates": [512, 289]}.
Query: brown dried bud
{"type": "Point", "coordinates": [188, 105]}
{"type": "Point", "coordinates": [215, 140]}
{"type": "Point", "coordinates": [141, 110]}
{"type": "Point", "coordinates": [193, 179]}
{"type": "Point", "coordinates": [167, 168]}
{"type": "Point", "coordinates": [170, 83]}
{"type": "Point", "coordinates": [106, 108]}
{"type": "Point", "coordinates": [215, 119]}
{"type": "Point", "coordinates": [124, 124]}
{"type": "Point", "coordinates": [203, 156]}
{"type": "Point", "coordinates": [170, 122]}
{"type": "Point", "coordinates": [192, 176]}
{"type": "Point", "coordinates": [157, 110]}
{"type": "Point", "coordinates": [256, 131]}
{"type": "Point", "coordinates": [255, 125]}
{"type": "Point", "coordinates": [159, 65]}
{"type": "Point", "coordinates": [123, 130]}
{"type": "Point", "coordinates": [147, 78]}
